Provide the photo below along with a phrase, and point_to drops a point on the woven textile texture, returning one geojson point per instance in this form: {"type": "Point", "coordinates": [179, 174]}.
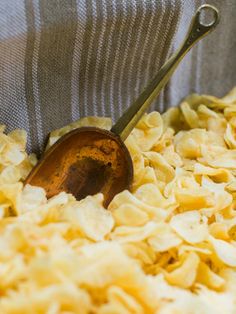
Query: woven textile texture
{"type": "Point", "coordinates": [62, 60]}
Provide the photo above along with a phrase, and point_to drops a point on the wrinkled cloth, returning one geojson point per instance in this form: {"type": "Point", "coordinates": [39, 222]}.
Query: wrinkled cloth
{"type": "Point", "coordinates": [62, 60]}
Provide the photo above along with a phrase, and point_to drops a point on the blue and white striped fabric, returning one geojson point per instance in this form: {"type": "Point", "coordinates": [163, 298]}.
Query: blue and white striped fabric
{"type": "Point", "coordinates": [62, 60]}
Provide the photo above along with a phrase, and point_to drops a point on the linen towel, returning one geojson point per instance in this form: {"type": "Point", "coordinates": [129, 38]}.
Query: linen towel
{"type": "Point", "coordinates": [62, 60]}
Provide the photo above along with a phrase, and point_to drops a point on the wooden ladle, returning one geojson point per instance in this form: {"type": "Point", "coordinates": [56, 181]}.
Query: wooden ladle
{"type": "Point", "coordinates": [89, 160]}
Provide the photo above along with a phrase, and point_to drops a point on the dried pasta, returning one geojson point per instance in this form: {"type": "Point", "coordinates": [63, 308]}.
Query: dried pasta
{"type": "Point", "coordinates": [167, 246]}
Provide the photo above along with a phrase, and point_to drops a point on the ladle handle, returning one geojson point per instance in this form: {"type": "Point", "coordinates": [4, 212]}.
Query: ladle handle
{"type": "Point", "coordinates": [132, 115]}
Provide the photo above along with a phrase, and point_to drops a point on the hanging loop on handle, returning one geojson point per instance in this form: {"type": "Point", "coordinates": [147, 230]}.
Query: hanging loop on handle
{"type": "Point", "coordinates": [198, 28]}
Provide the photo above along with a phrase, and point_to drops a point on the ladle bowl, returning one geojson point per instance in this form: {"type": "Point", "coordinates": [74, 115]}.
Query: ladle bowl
{"type": "Point", "coordinates": [99, 162]}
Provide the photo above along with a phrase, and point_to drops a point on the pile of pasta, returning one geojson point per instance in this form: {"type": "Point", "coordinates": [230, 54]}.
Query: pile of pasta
{"type": "Point", "coordinates": [166, 246]}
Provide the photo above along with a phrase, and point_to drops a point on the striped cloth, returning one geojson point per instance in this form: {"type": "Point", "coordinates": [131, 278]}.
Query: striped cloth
{"type": "Point", "coordinates": [62, 60]}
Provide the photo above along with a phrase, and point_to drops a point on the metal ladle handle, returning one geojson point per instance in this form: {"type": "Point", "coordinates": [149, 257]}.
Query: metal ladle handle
{"type": "Point", "coordinates": [132, 115]}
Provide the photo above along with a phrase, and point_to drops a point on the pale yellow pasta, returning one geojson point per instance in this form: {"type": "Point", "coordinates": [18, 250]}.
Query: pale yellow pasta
{"type": "Point", "coordinates": [167, 246]}
{"type": "Point", "coordinates": [183, 273]}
